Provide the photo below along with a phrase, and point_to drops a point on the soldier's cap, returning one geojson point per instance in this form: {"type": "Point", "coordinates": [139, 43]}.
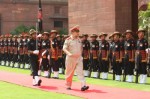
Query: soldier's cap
{"type": "Point", "coordinates": [65, 36]}
{"type": "Point", "coordinates": [116, 33]}
{"type": "Point", "coordinates": [141, 30]}
{"type": "Point", "coordinates": [86, 35]}
{"type": "Point", "coordinates": [15, 36]}
{"type": "Point", "coordinates": [128, 31]}
{"type": "Point", "coordinates": [102, 33]}
{"type": "Point", "coordinates": [32, 31]}
{"type": "Point", "coordinates": [9, 36]}
{"type": "Point", "coordinates": [58, 35]}
{"type": "Point", "coordinates": [46, 33]}
{"type": "Point", "coordinates": [110, 36]}
{"type": "Point", "coordinates": [94, 35]}
{"type": "Point", "coordinates": [26, 35]}
{"type": "Point", "coordinates": [80, 36]}
{"type": "Point", "coordinates": [54, 31]}
{"type": "Point", "coordinates": [2, 36]}
{"type": "Point", "coordinates": [75, 29]}
{"type": "Point", "coordinates": [39, 35]}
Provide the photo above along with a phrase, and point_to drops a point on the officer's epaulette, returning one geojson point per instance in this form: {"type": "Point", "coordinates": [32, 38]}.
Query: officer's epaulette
{"type": "Point", "coordinates": [68, 38]}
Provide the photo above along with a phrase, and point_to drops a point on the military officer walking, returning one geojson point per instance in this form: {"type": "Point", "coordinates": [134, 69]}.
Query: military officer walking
{"type": "Point", "coordinates": [74, 60]}
{"type": "Point", "coordinates": [34, 52]}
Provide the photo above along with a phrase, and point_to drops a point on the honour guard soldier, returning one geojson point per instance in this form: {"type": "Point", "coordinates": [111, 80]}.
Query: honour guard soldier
{"type": "Point", "coordinates": [25, 51]}
{"type": "Point", "coordinates": [103, 55]}
{"type": "Point", "coordinates": [45, 46]}
{"type": "Point", "coordinates": [141, 47]}
{"type": "Point", "coordinates": [6, 49]}
{"type": "Point", "coordinates": [74, 60]}
{"type": "Point", "coordinates": [54, 53]}
{"type": "Point", "coordinates": [34, 52]}
{"type": "Point", "coordinates": [117, 58]}
{"type": "Point", "coordinates": [2, 50]}
{"type": "Point", "coordinates": [111, 38]}
{"type": "Point", "coordinates": [86, 54]}
{"type": "Point", "coordinates": [94, 48]}
{"type": "Point", "coordinates": [21, 54]}
{"type": "Point", "coordinates": [10, 49]}
{"type": "Point", "coordinates": [129, 47]}
{"type": "Point", "coordinates": [60, 53]}
{"type": "Point", "coordinates": [15, 49]}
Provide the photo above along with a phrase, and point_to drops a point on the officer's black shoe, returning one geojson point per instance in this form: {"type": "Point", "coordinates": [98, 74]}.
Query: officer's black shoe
{"type": "Point", "coordinates": [39, 82]}
{"type": "Point", "coordinates": [84, 88]}
{"type": "Point", "coordinates": [68, 88]}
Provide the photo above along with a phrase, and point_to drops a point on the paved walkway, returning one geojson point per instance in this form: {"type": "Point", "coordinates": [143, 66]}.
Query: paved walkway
{"type": "Point", "coordinates": [54, 85]}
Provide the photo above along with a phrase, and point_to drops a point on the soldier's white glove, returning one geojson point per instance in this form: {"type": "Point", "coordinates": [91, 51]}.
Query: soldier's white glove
{"type": "Point", "coordinates": [70, 54]}
{"type": "Point", "coordinates": [36, 52]}
{"type": "Point", "coordinates": [43, 53]}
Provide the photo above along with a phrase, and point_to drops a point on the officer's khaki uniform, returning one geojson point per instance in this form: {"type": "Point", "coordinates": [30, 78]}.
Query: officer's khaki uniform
{"type": "Point", "coordinates": [74, 61]}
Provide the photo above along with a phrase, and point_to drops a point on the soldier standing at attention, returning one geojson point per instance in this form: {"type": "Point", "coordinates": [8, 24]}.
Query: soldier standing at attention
{"type": "Point", "coordinates": [34, 52]}
{"type": "Point", "coordinates": [86, 54]}
{"type": "Point", "coordinates": [141, 46]}
{"type": "Point", "coordinates": [117, 57]}
{"type": "Point", "coordinates": [54, 53]}
{"type": "Point", "coordinates": [129, 47]}
{"type": "Point", "coordinates": [94, 48]}
{"type": "Point", "coordinates": [74, 60]}
{"type": "Point", "coordinates": [103, 55]}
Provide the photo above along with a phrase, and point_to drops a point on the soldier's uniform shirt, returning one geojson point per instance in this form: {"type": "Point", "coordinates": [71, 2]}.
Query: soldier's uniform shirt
{"type": "Point", "coordinates": [32, 46]}
{"type": "Point", "coordinates": [45, 45]}
{"type": "Point", "coordinates": [141, 46]}
{"type": "Point", "coordinates": [86, 48]}
{"type": "Point", "coordinates": [55, 47]}
{"type": "Point", "coordinates": [74, 46]}
{"type": "Point", "coordinates": [94, 48]}
{"type": "Point", "coordinates": [6, 46]}
{"type": "Point", "coordinates": [104, 47]}
{"type": "Point", "coordinates": [60, 47]}
{"type": "Point", "coordinates": [21, 47]}
{"type": "Point", "coordinates": [116, 50]}
{"type": "Point", "coordinates": [129, 46]}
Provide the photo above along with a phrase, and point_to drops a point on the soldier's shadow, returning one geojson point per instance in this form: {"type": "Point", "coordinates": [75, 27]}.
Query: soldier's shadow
{"type": "Point", "coordinates": [48, 87]}
{"type": "Point", "coordinates": [89, 91]}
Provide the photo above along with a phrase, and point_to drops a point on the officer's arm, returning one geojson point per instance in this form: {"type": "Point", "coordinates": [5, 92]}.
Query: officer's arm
{"type": "Point", "coordinates": [65, 48]}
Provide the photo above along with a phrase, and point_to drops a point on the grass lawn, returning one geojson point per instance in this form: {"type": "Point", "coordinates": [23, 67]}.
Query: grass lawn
{"type": "Point", "coordinates": [11, 91]}
{"type": "Point", "coordinates": [93, 81]}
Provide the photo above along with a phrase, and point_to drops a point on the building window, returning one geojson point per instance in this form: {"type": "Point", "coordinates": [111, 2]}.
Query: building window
{"type": "Point", "coordinates": [57, 10]}
{"type": "Point", "coordinates": [58, 24]}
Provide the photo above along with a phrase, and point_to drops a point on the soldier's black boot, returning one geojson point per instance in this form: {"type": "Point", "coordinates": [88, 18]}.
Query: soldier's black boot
{"type": "Point", "coordinates": [84, 88]}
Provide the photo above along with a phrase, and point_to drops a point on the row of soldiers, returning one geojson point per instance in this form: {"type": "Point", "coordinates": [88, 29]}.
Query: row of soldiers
{"type": "Point", "coordinates": [122, 54]}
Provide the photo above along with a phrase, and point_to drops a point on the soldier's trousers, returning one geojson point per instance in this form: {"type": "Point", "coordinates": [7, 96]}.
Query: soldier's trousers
{"type": "Point", "coordinates": [10, 57]}
{"type": "Point", "coordinates": [34, 64]}
{"type": "Point", "coordinates": [118, 68]}
{"type": "Point", "coordinates": [26, 59]}
{"type": "Point", "coordinates": [73, 64]}
{"type": "Point", "coordinates": [143, 68]}
{"type": "Point", "coordinates": [60, 62]}
{"type": "Point", "coordinates": [129, 68]}
{"type": "Point", "coordinates": [15, 58]}
{"type": "Point", "coordinates": [45, 64]}
{"type": "Point", "coordinates": [21, 58]}
{"type": "Point", "coordinates": [104, 66]}
{"type": "Point", "coordinates": [95, 65]}
{"type": "Point", "coordinates": [85, 64]}
{"type": "Point", "coordinates": [5, 56]}
{"type": "Point", "coordinates": [53, 63]}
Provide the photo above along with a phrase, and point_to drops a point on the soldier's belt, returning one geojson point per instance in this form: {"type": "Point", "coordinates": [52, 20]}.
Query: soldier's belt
{"type": "Point", "coordinates": [59, 56]}
{"type": "Point", "coordinates": [85, 58]}
{"type": "Point", "coordinates": [94, 57]}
